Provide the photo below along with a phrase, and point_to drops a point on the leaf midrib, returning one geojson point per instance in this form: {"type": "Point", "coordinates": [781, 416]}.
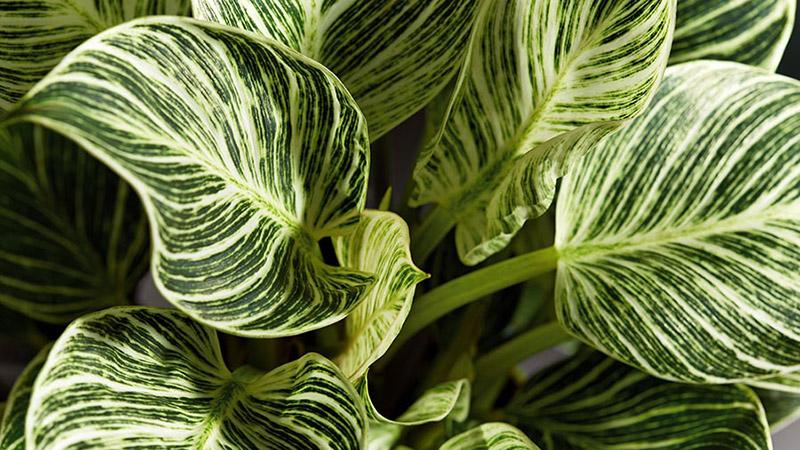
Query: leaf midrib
{"type": "Point", "coordinates": [583, 252]}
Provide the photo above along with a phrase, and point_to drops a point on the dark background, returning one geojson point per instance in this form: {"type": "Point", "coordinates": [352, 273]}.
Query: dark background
{"type": "Point", "coordinates": [790, 65]}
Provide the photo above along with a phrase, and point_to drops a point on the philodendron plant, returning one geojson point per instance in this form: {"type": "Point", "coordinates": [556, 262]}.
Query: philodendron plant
{"type": "Point", "coordinates": [624, 173]}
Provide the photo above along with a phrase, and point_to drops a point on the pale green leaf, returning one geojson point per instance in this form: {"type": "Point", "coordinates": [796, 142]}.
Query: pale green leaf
{"type": "Point", "coordinates": [242, 165]}
{"type": "Point", "coordinates": [12, 428]}
{"type": "Point", "coordinates": [379, 245]}
{"type": "Point", "coordinates": [490, 436]}
{"type": "Point", "coordinates": [128, 378]}
{"type": "Point", "coordinates": [594, 402]}
{"type": "Point", "coordinates": [544, 80]}
{"type": "Point", "coordinates": [752, 32]}
{"type": "Point", "coordinates": [393, 56]}
{"type": "Point", "coordinates": [38, 33]}
{"type": "Point", "coordinates": [448, 400]}
{"type": "Point", "coordinates": [75, 235]}
{"type": "Point", "coordinates": [679, 238]}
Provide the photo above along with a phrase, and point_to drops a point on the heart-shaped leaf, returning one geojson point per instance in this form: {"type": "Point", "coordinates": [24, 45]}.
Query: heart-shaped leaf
{"type": "Point", "coordinates": [393, 56]}
{"type": "Point", "coordinates": [490, 436]}
{"type": "Point", "coordinates": [544, 80]}
{"type": "Point", "coordinates": [752, 32]}
{"type": "Point", "coordinates": [592, 401]}
{"type": "Point", "coordinates": [37, 34]}
{"type": "Point", "coordinates": [679, 237]}
{"type": "Point", "coordinates": [242, 165]}
{"type": "Point", "coordinates": [129, 378]}
{"type": "Point", "coordinates": [379, 245]}
{"type": "Point", "coordinates": [12, 427]}
{"type": "Point", "coordinates": [80, 241]}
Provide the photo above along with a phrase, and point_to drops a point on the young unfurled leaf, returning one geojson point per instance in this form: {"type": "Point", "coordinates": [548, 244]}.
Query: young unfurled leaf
{"type": "Point", "coordinates": [448, 400]}
{"type": "Point", "coordinates": [752, 32]}
{"type": "Point", "coordinates": [544, 81]}
{"type": "Point", "coordinates": [75, 235]}
{"type": "Point", "coordinates": [37, 34]}
{"type": "Point", "coordinates": [150, 378]}
{"type": "Point", "coordinates": [242, 165]}
{"type": "Point", "coordinates": [12, 427]}
{"type": "Point", "coordinates": [393, 56]}
{"type": "Point", "coordinates": [379, 245]}
{"type": "Point", "coordinates": [592, 401]}
{"type": "Point", "coordinates": [490, 436]}
{"type": "Point", "coordinates": [679, 237]}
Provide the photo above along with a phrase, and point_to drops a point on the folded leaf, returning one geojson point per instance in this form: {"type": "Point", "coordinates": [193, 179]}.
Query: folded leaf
{"type": "Point", "coordinates": [77, 235]}
{"type": "Point", "coordinates": [242, 165]}
{"type": "Point", "coordinates": [490, 436]}
{"type": "Point", "coordinates": [12, 428]}
{"type": "Point", "coordinates": [448, 400]}
{"type": "Point", "coordinates": [538, 70]}
{"type": "Point", "coordinates": [38, 33]}
{"type": "Point", "coordinates": [393, 56]}
{"type": "Point", "coordinates": [379, 245]}
{"type": "Point", "coordinates": [592, 401]}
{"type": "Point", "coordinates": [782, 408]}
{"type": "Point", "coordinates": [679, 237]}
{"type": "Point", "coordinates": [752, 32]}
{"type": "Point", "coordinates": [129, 378]}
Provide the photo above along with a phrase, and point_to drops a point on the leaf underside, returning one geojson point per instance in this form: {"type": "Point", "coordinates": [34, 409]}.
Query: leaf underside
{"type": "Point", "coordinates": [131, 378]}
{"type": "Point", "coordinates": [242, 165]}
{"type": "Point", "coordinates": [592, 401]}
{"type": "Point", "coordinates": [679, 238]}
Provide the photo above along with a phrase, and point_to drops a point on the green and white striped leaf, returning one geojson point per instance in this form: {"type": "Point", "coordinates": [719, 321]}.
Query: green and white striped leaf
{"type": "Point", "coordinates": [393, 56]}
{"type": "Point", "coordinates": [12, 428]}
{"type": "Point", "coordinates": [242, 165]}
{"type": "Point", "coordinates": [38, 33]}
{"type": "Point", "coordinates": [544, 80]}
{"type": "Point", "coordinates": [679, 236]}
{"type": "Point", "coordinates": [490, 436]}
{"type": "Point", "coordinates": [75, 236]}
{"type": "Point", "coordinates": [128, 378]}
{"type": "Point", "coordinates": [379, 245]}
{"type": "Point", "coordinates": [751, 32]}
{"type": "Point", "coordinates": [592, 402]}
{"type": "Point", "coordinates": [450, 400]}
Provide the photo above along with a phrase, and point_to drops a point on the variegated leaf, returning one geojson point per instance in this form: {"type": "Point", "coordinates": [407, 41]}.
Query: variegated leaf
{"type": "Point", "coordinates": [448, 400]}
{"type": "Point", "coordinates": [379, 245]}
{"type": "Point", "coordinates": [128, 378]}
{"type": "Point", "coordinates": [12, 428]}
{"type": "Point", "coordinates": [75, 236]}
{"type": "Point", "coordinates": [393, 56]}
{"type": "Point", "coordinates": [679, 238]}
{"type": "Point", "coordinates": [38, 33]}
{"type": "Point", "coordinates": [592, 401]}
{"type": "Point", "coordinates": [242, 165]}
{"type": "Point", "coordinates": [752, 32]}
{"type": "Point", "coordinates": [544, 80]}
{"type": "Point", "coordinates": [490, 436]}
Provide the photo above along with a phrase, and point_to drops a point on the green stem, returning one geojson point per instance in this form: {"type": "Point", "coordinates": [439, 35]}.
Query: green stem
{"type": "Point", "coordinates": [430, 233]}
{"type": "Point", "coordinates": [475, 285]}
{"type": "Point", "coordinates": [500, 361]}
